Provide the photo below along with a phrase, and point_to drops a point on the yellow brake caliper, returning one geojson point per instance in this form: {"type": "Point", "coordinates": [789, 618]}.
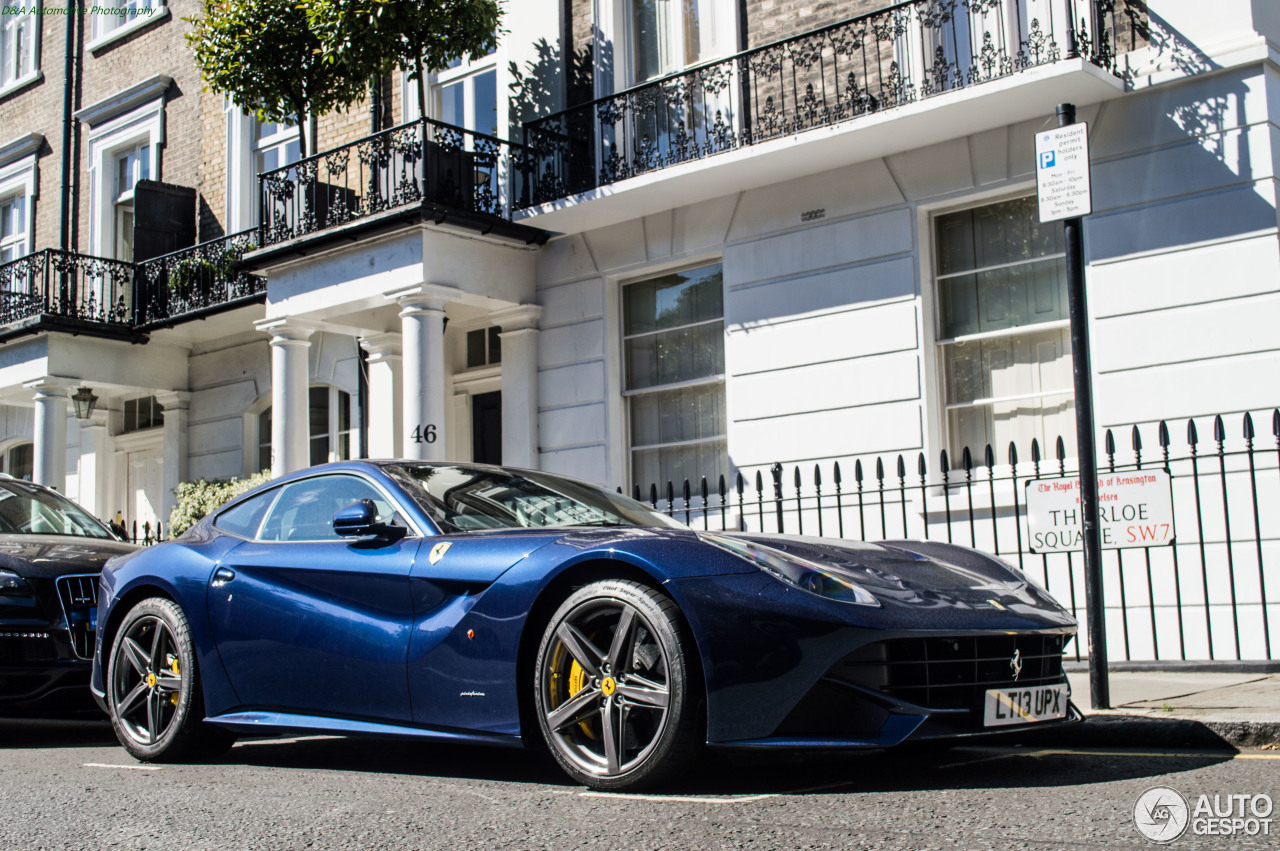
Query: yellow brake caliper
{"type": "Point", "coordinates": [577, 680]}
{"type": "Point", "coordinates": [173, 666]}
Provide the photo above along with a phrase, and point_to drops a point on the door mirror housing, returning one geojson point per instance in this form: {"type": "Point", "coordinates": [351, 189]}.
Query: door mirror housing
{"type": "Point", "coordinates": [360, 520]}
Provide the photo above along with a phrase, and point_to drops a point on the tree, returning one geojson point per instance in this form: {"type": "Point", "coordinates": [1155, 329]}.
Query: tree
{"type": "Point", "coordinates": [418, 36]}
{"type": "Point", "coordinates": [264, 55]}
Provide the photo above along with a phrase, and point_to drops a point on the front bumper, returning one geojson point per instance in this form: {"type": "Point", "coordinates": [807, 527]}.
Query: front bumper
{"type": "Point", "coordinates": [785, 669]}
{"type": "Point", "coordinates": [840, 718]}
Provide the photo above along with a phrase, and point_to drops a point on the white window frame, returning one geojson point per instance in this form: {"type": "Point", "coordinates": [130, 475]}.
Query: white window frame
{"type": "Point", "coordinates": [931, 325]}
{"type": "Point", "coordinates": [614, 16]}
{"type": "Point", "coordinates": [107, 29]}
{"type": "Point", "coordinates": [255, 440]}
{"type": "Point", "coordinates": [154, 406]}
{"type": "Point", "coordinates": [279, 139]}
{"type": "Point", "coordinates": [13, 78]}
{"type": "Point", "coordinates": [18, 179]}
{"type": "Point", "coordinates": [14, 245]}
{"type": "Point", "coordinates": [141, 126]}
{"type": "Point", "coordinates": [122, 199]}
{"type": "Point", "coordinates": [243, 146]}
{"type": "Point", "coordinates": [8, 449]}
{"type": "Point", "coordinates": [333, 432]}
{"type": "Point", "coordinates": [626, 394]}
{"type": "Point", "coordinates": [467, 69]}
{"type": "Point", "coordinates": [465, 74]}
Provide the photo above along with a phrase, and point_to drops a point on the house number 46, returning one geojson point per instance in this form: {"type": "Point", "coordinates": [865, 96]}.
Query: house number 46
{"type": "Point", "coordinates": [424, 433]}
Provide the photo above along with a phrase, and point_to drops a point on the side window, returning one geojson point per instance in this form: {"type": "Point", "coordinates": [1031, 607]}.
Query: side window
{"type": "Point", "coordinates": [305, 509]}
{"type": "Point", "coordinates": [246, 518]}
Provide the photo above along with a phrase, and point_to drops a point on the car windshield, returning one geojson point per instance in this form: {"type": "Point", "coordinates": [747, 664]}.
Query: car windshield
{"type": "Point", "coordinates": [29, 510]}
{"type": "Point", "coordinates": [461, 499]}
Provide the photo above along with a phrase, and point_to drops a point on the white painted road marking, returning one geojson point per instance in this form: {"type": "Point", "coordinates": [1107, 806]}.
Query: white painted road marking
{"type": "Point", "coordinates": [679, 799]}
{"type": "Point", "coordinates": [126, 767]}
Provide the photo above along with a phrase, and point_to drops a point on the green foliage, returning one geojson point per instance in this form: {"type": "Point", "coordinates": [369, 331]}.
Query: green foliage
{"type": "Point", "coordinates": [263, 54]}
{"type": "Point", "coordinates": [419, 36]}
{"type": "Point", "coordinates": [200, 497]}
{"type": "Point", "coordinates": [196, 273]}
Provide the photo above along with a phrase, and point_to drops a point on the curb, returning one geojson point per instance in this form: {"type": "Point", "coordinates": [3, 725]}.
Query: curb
{"type": "Point", "coordinates": [1121, 730]}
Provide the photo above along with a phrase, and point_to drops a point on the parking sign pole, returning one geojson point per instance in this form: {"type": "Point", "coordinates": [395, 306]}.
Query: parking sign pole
{"type": "Point", "coordinates": [1099, 683]}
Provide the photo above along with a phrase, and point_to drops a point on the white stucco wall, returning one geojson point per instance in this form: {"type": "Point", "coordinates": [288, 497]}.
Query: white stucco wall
{"type": "Point", "coordinates": [232, 380]}
{"type": "Point", "coordinates": [829, 323]}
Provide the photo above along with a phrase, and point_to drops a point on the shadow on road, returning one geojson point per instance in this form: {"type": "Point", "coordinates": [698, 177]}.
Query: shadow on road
{"type": "Point", "coordinates": [1084, 754]}
{"type": "Point", "coordinates": [41, 733]}
{"type": "Point", "coordinates": [389, 756]}
{"type": "Point", "coordinates": [1042, 762]}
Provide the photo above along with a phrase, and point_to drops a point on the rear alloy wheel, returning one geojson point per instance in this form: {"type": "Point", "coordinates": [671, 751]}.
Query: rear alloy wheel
{"type": "Point", "coordinates": [616, 691]}
{"type": "Point", "coordinates": [153, 687]}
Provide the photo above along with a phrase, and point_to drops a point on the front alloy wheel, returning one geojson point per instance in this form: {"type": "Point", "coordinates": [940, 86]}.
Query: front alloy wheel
{"type": "Point", "coordinates": [153, 690]}
{"type": "Point", "coordinates": [615, 701]}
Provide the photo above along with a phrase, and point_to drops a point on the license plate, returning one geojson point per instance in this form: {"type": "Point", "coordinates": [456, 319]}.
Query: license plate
{"type": "Point", "coordinates": [1024, 705]}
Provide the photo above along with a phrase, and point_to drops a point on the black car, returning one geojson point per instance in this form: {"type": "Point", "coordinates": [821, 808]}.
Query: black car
{"type": "Point", "coordinates": [51, 552]}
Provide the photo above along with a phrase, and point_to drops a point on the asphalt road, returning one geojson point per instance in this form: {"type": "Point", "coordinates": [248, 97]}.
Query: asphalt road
{"type": "Point", "coordinates": [69, 786]}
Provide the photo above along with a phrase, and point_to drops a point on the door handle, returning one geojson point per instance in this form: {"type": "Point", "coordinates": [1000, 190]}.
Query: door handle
{"type": "Point", "coordinates": [222, 576]}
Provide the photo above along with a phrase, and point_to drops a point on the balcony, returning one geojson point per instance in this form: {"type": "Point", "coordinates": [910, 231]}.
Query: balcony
{"type": "Point", "coordinates": [900, 78]}
{"type": "Point", "coordinates": [423, 170]}
{"type": "Point", "coordinates": [60, 290]}
{"type": "Point", "coordinates": [196, 282]}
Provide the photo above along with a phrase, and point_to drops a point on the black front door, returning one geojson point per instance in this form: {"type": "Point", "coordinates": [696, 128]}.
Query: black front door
{"type": "Point", "coordinates": [486, 428]}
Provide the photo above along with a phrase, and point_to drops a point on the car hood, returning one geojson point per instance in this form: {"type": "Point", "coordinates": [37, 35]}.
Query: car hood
{"type": "Point", "coordinates": [923, 574]}
{"type": "Point", "coordinates": [47, 556]}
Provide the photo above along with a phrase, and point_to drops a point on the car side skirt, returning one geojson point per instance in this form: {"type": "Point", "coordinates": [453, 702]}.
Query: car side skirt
{"type": "Point", "coordinates": [266, 723]}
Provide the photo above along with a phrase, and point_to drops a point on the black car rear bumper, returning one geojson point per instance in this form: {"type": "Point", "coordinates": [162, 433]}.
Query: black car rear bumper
{"type": "Point", "coordinates": [52, 689]}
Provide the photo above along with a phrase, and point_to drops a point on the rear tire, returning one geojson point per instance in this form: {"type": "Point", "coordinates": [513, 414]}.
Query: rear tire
{"type": "Point", "coordinates": [617, 691]}
{"type": "Point", "coordinates": [153, 687]}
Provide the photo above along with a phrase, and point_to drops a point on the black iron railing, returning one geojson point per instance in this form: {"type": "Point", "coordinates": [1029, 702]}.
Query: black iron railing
{"type": "Point", "coordinates": [76, 287]}
{"type": "Point", "coordinates": [907, 52]}
{"type": "Point", "coordinates": [423, 162]}
{"type": "Point", "coordinates": [1212, 594]}
{"type": "Point", "coordinates": [196, 280]}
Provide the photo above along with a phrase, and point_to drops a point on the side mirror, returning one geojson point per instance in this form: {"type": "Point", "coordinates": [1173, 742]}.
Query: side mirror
{"type": "Point", "coordinates": [360, 520]}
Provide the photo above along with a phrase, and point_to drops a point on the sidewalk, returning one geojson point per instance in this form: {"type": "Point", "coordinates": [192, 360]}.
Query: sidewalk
{"type": "Point", "coordinates": [1173, 708]}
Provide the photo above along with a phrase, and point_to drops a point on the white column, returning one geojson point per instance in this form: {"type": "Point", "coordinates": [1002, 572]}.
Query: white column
{"type": "Point", "coordinates": [386, 395]}
{"type": "Point", "coordinates": [290, 372]}
{"type": "Point", "coordinates": [426, 409]}
{"type": "Point", "coordinates": [176, 413]}
{"type": "Point", "coordinates": [50, 435]}
{"type": "Point", "coordinates": [94, 465]}
{"type": "Point", "coordinates": [519, 384]}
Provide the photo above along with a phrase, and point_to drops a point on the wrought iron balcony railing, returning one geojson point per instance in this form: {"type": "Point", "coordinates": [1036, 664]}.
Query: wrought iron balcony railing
{"type": "Point", "coordinates": [423, 163]}
{"type": "Point", "coordinates": [901, 54]}
{"type": "Point", "coordinates": [68, 287]}
{"type": "Point", "coordinates": [195, 281]}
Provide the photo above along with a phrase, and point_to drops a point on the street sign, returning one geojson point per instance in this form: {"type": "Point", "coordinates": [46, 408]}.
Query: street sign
{"type": "Point", "coordinates": [1135, 509]}
{"type": "Point", "coordinates": [1062, 173]}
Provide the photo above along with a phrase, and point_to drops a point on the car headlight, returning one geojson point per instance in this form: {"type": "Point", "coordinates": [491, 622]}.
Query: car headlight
{"type": "Point", "coordinates": [13, 585]}
{"type": "Point", "coordinates": [821, 579]}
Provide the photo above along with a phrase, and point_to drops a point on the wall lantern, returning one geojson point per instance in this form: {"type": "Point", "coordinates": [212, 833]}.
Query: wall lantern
{"type": "Point", "coordinates": [84, 400]}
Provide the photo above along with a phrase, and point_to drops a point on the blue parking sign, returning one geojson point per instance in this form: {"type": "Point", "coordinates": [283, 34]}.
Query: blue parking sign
{"type": "Point", "coordinates": [1046, 159]}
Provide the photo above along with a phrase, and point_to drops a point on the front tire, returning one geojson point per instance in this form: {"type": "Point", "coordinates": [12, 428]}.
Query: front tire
{"type": "Point", "coordinates": [153, 687]}
{"type": "Point", "coordinates": [617, 691]}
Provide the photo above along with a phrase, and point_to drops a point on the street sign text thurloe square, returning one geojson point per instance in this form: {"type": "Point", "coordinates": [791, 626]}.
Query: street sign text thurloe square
{"type": "Point", "coordinates": [1135, 509]}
